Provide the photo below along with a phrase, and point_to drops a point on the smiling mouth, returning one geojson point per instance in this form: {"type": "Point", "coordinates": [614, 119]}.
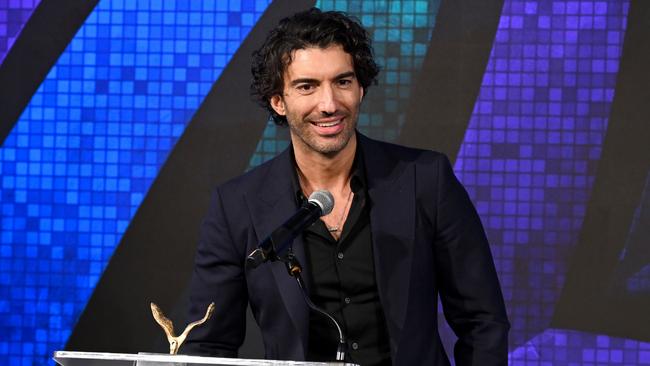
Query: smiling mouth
{"type": "Point", "coordinates": [327, 124]}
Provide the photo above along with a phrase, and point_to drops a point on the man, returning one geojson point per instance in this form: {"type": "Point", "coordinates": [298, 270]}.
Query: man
{"type": "Point", "coordinates": [402, 229]}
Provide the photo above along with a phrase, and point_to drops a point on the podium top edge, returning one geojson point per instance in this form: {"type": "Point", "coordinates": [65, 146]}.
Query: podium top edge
{"type": "Point", "coordinates": [200, 360]}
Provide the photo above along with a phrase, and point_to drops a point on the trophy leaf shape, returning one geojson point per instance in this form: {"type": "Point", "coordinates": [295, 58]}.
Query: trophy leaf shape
{"type": "Point", "coordinates": [175, 342]}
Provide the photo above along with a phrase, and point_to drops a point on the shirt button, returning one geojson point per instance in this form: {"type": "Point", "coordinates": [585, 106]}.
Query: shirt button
{"type": "Point", "coordinates": [355, 345]}
{"type": "Point", "coordinates": [340, 255]}
{"type": "Point", "coordinates": [347, 300]}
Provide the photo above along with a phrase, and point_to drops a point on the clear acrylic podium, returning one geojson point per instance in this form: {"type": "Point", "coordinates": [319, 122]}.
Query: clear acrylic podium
{"type": "Point", "coordinates": [66, 358]}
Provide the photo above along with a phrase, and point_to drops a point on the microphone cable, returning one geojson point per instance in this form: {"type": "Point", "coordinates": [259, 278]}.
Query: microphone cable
{"type": "Point", "coordinates": [295, 269]}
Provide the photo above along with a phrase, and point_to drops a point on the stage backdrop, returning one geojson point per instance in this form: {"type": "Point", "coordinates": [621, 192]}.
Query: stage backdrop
{"type": "Point", "coordinates": [118, 117]}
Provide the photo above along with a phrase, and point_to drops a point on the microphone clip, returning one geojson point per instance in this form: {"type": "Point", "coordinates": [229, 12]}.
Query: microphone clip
{"type": "Point", "coordinates": [293, 266]}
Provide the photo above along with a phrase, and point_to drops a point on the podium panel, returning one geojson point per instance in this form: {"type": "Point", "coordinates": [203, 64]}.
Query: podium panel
{"type": "Point", "coordinates": [66, 358]}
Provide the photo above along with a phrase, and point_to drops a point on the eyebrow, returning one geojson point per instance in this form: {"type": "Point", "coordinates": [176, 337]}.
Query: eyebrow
{"type": "Point", "coordinates": [344, 75]}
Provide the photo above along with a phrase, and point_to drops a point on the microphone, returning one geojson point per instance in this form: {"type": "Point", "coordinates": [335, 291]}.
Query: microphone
{"type": "Point", "coordinates": [320, 203]}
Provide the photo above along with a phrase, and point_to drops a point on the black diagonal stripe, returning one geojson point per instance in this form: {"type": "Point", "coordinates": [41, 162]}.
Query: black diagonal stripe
{"type": "Point", "coordinates": [40, 43]}
{"type": "Point", "coordinates": [591, 299]}
{"type": "Point", "coordinates": [449, 82]}
{"type": "Point", "coordinates": [154, 259]}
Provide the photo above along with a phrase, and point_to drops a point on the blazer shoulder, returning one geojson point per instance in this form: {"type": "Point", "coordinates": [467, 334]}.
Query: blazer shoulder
{"type": "Point", "coordinates": [413, 154]}
{"type": "Point", "coordinates": [251, 180]}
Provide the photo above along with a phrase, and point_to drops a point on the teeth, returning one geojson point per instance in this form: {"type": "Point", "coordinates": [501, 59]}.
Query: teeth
{"type": "Point", "coordinates": [328, 124]}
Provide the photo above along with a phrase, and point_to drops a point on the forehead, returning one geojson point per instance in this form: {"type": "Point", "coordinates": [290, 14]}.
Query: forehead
{"type": "Point", "coordinates": [318, 63]}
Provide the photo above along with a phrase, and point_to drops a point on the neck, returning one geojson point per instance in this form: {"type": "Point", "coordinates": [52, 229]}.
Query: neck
{"type": "Point", "coordinates": [324, 171]}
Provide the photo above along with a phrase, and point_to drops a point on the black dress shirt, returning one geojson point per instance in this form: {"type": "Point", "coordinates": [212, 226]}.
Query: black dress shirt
{"type": "Point", "coordinates": [342, 282]}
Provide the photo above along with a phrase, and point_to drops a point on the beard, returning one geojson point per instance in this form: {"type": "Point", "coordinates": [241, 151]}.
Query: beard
{"type": "Point", "coordinates": [304, 132]}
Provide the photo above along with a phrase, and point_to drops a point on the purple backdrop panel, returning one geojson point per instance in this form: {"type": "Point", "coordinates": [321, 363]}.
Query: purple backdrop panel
{"type": "Point", "coordinates": [530, 153]}
{"type": "Point", "coordinates": [566, 347]}
{"type": "Point", "coordinates": [13, 16]}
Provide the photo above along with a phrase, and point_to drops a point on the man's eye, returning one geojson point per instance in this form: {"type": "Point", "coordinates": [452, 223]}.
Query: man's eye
{"type": "Point", "coordinates": [345, 82]}
{"type": "Point", "coordinates": [305, 88]}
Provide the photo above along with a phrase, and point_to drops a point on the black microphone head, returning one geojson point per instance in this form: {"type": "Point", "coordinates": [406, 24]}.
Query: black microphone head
{"type": "Point", "coordinates": [324, 200]}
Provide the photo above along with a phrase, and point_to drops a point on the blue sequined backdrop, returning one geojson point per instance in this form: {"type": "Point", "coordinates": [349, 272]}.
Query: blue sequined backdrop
{"type": "Point", "coordinates": [84, 152]}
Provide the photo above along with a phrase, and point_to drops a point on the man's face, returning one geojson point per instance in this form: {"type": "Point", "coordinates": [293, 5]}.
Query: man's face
{"type": "Point", "coordinates": [321, 99]}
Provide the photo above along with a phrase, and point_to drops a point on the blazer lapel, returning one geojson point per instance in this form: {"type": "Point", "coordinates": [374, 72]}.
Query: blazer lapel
{"type": "Point", "coordinates": [391, 187]}
{"type": "Point", "coordinates": [274, 203]}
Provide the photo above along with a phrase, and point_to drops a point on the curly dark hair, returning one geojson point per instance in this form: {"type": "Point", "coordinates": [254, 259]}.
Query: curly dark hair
{"type": "Point", "coordinates": [302, 30]}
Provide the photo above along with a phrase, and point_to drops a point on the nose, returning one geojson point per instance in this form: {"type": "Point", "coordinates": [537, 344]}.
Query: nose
{"type": "Point", "coordinates": [327, 103]}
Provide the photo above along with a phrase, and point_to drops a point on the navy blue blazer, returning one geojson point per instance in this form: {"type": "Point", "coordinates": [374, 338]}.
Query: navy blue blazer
{"type": "Point", "coordinates": [427, 241]}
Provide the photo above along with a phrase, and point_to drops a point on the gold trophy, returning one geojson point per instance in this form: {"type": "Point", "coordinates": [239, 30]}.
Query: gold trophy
{"type": "Point", "coordinates": [167, 325]}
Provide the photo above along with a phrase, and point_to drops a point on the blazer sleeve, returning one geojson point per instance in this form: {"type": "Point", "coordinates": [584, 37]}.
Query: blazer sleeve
{"type": "Point", "coordinates": [218, 277]}
{"type": "Point", "coordinates": [469, 288]}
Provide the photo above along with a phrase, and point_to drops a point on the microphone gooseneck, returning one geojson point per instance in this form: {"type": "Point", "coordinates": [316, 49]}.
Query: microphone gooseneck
{"type": "Point", "coordinates": [320, 203]}
{"type": "Point", "coordinates": [295, 269]}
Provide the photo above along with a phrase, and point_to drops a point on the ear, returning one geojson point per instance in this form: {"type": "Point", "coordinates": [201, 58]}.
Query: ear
{"type": "Point", "coordinates": [278, 105]}
{"type": "Point", "coordinates": [361, 95]}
